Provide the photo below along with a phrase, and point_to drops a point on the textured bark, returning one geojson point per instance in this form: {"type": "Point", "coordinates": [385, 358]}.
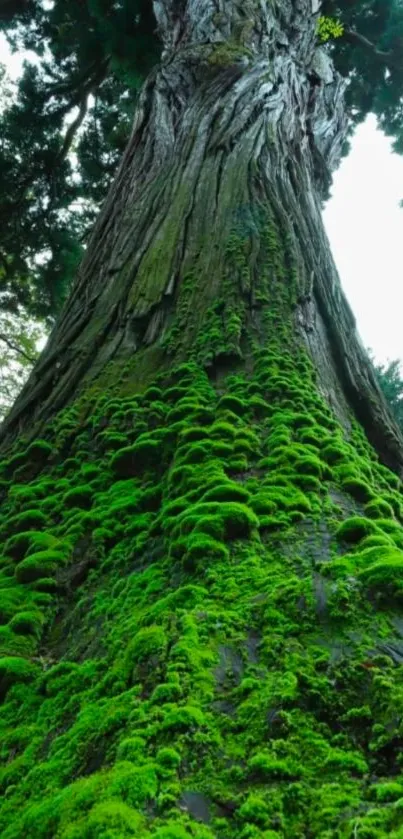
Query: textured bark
{"type": "Point", "coordinates": [243, 121]}
{"type": "Point", "coordinates": [201, 579]}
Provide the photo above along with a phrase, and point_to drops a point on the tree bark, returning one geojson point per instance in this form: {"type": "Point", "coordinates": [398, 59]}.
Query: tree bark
{"type": "Point", "coordinates": [236, 132]}
{"type": "Point", "coordinates": [202, 569]}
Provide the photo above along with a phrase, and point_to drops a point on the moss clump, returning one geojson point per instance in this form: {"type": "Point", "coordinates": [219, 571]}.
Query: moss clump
{"type": "Point", "coordinates": [386, 791]}
{"type": "Point", "coordinates": [28, 520]}
{"type": "Point", "coordinates": [392, 529]}
{"type": "Point", "coordinates": [334, 453]}
{"type": "Point", "coordinates": [263, 505]}
{"type": "Point", "coordinates": [148, 642]}
{"type": "Point", "coordinates": [234, 404]}
{"type": "Point", "coordinates": [169, 758]}
{"type": "Point", "coordinates": [14, 669]}
{"type": "Point", "coordinates": [237, 521]}
{"type": "Point", "coordinates": [359, 489]}
{"type": "Point", "coordinates": [183, 718]}
{"type": "Point", "coordinates": [384, 576]}
{"type": "Point", "coordinates": [29, 541]}
{"type": "Point", "coordinates": [378, 508]}
{"type": "Point", "coordinates": [40, 564]}
{"type": "Point", "coordinates": [81, 496]}
{"type": "Point", "coordinates": [355, 528]}
{"type": "Point", "coordinates": [309, 465]}
{"type": "Point", "coordinates": [205, 640]}
{"type": "Point", "coordinates": [376, 540]}
{"type": "Point", "coordinates": [254, 810]}
{"type": "Point", "coordinates": [229, 491]}
{"type": "Point", "coordinates": [346, 760]}
{"type": "Point", "coordinates": [201, 547]}
{"type": "Point", "coordinates": [112, 441]}
{"type": "Point", "coordinates": [134, 460]}
{"type": "Point", "coordinates": [196, 432]}
{"type": "Point", "coordinates": [27, 623]}
{"type": "Point", "coordinates": [267, 766]}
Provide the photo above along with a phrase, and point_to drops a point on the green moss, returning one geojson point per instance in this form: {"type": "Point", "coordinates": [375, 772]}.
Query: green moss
{"type": "Point", "coordinates": [229, 491]}
{"type": "Point", "coordinates": [29, 541]}
{"type": "Point", "coordinates": [376, 540]}
{"type": "Point", "coordinates": [237, 464]}
{"type": "Point", "coordinates": [148, 642]}
{"type": "Point", "coordinates": [338, 759]}
{"type": "Point", "coordinates": [201, 547]}
{"type": "Point", "coordinates": [209, 649]}
{"type": "Point", "coordinates": [169, 758]}
{"type": "Point", "coordinates": [237, 519]}
{"type": "Point", "coordinates": [254, 810]}
{"type": "Point", "coordinates": [355, 528]}
{"type": "Point", "coordinates": [183, 718]}
{"type": "Point", "coordinates": [14, 670]}
{"type": "Point", "coordinates": [308, 483]}
{"type": "Point", "coordinates": [166, 692]}
{"type": "Point", "coordinates": [112, 441]}
{"type": "Point", "coordinates": [234, 404]}
{"type": "Point", "coordinates": [266, 766]}
{"type": "Point", "coordinates": [189, 435]}
{"type": "Point", "coordinates": [90, 471]}
{"type": "Point", "coordinates": [176, 830]}
{"type": "Point", "coordinates": [134, 460]}
{"type": "Point", "coordinates": [359, 489]}
{"type": "Point", "coordinates": [386, 791]}
{"type": "Point", "coordinates": [263, 505]}
{"type": "Point", "coordinates": [27, 623]}
{"type": "Point", "coordinates": [131, 748]}
{"type": "Point", "coordinates": [110, 818]}
{"type": "Point", "coordinates": [80, 496]}
{"type": "Point", "coordinates": [335, 453]}
{"type": "Point", "coordinates": [393, 529]}
{"type": "Point", "coordinates": [27, 520]}
{"type": "Point", "coordinates": [40, 564]}
{"type": "Point", "coordinates": [384, 576]}
{"type": "Point", "coordinates": [378, 508]}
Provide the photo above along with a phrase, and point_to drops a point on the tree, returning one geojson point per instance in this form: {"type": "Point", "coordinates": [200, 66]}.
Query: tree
{"type": "Point", "coordinates": [202, 519]}
{"type": "Point", "coordinates": [18, 353]}
{"type": "Point", "coordinates": [65, 131]}
{"type": "Point", "coordinates": [391, 383]}
{"type": "Point", "coordinates": [62, 136]}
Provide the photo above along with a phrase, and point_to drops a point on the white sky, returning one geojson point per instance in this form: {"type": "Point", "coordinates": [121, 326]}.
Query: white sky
{"type": "Point", "coordinates": [365, 227]}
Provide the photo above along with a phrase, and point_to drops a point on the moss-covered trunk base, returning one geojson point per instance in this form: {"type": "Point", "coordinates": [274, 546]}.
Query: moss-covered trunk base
{"type": "Point", "coordinates": [201, 592]}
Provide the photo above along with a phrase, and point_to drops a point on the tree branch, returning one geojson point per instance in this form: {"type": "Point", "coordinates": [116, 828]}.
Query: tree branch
{"type": "Point", "coordinates": [352, 35]}
{"type": "Point", "coordinates": [17, 349]}
{"type": "Point", "coordinates": [72, 129]}
{"type": "Point", "coordinates": [91, 86]}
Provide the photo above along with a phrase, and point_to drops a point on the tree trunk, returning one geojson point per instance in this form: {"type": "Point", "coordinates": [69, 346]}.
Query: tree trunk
{"type": "Point", "coordinates": [203, 559]}
{"type": "Point", "coordinates": [234, 139]}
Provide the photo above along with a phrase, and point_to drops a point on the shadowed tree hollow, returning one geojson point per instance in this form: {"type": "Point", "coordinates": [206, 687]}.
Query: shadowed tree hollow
{"type": "Point", "coordinates": [202, 565]}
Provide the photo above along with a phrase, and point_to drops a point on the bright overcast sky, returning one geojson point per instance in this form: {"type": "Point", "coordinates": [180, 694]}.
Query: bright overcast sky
{"type": "Point", "coordinates": [365, 227]}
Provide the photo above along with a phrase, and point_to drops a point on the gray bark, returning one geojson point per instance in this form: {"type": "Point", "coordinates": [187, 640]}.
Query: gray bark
{"type": "Point", "coordinates": [245, 112]}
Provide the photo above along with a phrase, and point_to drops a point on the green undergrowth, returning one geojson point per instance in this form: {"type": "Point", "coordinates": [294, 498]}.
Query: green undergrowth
{"type": "Point", "coordinates": [200, 596]}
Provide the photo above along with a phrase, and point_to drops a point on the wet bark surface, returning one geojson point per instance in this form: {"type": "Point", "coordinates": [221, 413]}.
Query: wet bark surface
{"type": "Point", "coordinates": [241, 123]}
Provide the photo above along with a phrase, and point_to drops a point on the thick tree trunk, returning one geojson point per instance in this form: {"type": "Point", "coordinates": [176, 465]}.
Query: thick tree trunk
{"type": "Point", "coordinates": [234, 140]}
{"type": "Point", "coordinates": [202, 569]}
